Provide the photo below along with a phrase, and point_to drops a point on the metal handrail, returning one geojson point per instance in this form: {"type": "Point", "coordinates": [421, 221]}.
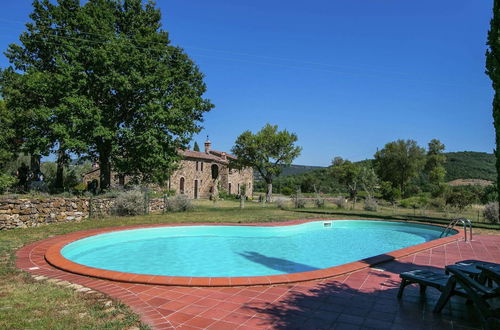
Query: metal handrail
{"type": "Point", "coordinates": [464, 221]}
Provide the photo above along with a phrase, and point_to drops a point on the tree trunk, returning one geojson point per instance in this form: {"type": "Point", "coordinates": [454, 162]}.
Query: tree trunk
{"type": "Point", "coordinates": [35, 167]}
{"type": "Point", "coordinates": [269, 193]}
{"type": "Point", "coordinates": [242, 202]}
{"type": "Point", "coordinates": [61, 160]}
{"type": "Point", "coordinates": [105, 167]}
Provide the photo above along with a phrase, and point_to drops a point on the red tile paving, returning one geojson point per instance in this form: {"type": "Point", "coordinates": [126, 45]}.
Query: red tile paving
{"type": "Point", "coordinates": [365, 298]}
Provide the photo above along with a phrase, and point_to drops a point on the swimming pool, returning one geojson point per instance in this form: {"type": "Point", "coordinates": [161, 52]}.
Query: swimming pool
{"type": "Point", "coordinates": [236, 251]}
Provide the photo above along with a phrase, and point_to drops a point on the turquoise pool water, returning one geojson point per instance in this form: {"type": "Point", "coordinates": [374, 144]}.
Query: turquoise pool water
{"type": "Point", "coordinates": [220, 251]}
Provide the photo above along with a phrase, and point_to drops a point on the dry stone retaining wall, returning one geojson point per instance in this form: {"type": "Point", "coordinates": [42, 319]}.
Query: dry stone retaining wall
{"type": "Point", "coordinates": [23, 213]}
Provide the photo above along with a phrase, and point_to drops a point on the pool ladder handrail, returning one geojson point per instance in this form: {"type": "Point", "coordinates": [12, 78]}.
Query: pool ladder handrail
{"type": "Point", "coordinates": [464, 221]}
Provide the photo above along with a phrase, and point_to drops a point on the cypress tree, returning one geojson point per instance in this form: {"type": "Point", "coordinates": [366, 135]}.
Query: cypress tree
{"type": "Point", "coordinates": [493, 71]}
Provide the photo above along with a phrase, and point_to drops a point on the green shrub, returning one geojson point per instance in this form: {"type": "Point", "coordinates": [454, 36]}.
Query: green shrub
{"type": "Point", "coordinates": [281, 203]}
{"type": "Point", "coordinates": [340, 202]}
{"type": "Point", "coordinates": [80, 188]}
{"type": "Point", "coordinates": [128, 203]}
{"type": "Point", "coordinates": [224, 195]}
{"type": "Point", "coordinates": [388, 192]}
{"type": "Point", "coordinates": [460, 197]}
{"type": "Point", "coordinates": [319, 203]}
{"type": "Point", "coordinates": [300, 203]}
{"type": "Point", "coordinates": [287, 191]}
{"type": "Point", "coordinates": [490, 194]}
{"type": "Point", "coordinates": [491, 212]}
{"type": "Point", "coordinates": [438, 202]}
{"type": "Point", "coordinates": [414, 202]}
{"type": "Point", "coordinates": [180, 203]}
{"type": "Point", "coordinates": [6, 182]}
{"type": "Point", "coordinates": [370, 205]}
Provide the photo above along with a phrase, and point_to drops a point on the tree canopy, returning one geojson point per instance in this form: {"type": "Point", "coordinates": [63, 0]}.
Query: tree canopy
{"type": "Point", "coordinates": [102, 79]}
{"type": "Point", "coordinates": [398, 162]}
{"type": "Point", "coordinates": [354, 176]}
{"type": "Point", "coordinates": [434, 163]}
{"type": "Point", "coordinates": [6, 134]}
{"type": "Point", "coordinates": [267, 151]}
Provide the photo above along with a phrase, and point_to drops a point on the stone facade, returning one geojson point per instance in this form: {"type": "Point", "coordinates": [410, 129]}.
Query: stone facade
{"type": "Point", "coordinates": [202, 174]}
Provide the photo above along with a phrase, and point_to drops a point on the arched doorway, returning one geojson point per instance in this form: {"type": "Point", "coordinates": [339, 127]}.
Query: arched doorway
{"type": "Point", "coordinates": [215, 171]}
{"type": "Point", "coordinates": [181, 186]}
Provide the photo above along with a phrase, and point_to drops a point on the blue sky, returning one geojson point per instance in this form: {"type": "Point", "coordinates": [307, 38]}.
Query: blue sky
{"type": "Point", "coordinates": [347, 76]}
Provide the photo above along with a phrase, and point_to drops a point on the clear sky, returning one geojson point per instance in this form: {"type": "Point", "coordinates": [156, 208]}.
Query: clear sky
{"type": "Point", "coordinates": [347, 76]}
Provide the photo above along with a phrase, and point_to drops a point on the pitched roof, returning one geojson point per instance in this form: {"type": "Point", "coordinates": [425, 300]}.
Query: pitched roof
{"type": "Point", "coordinates": [213, 155]}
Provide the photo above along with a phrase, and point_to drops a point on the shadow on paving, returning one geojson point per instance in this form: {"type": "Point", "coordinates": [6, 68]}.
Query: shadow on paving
{"type": "Point", "coordinates": [339, 304]}
{"type": "Point", "coordinates": [279, 264]}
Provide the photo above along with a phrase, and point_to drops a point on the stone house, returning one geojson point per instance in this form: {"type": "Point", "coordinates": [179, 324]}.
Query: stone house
{"type": "Point", "coordinates": [201, 174]}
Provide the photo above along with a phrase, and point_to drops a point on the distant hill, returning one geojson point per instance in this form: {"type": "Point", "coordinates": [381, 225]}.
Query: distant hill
{"type": "Point", "coordinates": [459, 165]}
{"type": "Point", "coordinates": [470, 165]}
{"type": "Point", "coordinates": [466, 165]}
{"type": "Point", "coordinates": [291, 170]}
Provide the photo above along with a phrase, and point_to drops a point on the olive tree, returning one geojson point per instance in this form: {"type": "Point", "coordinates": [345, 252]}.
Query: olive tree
{"type": "Point", "coordinates": [267, 151]}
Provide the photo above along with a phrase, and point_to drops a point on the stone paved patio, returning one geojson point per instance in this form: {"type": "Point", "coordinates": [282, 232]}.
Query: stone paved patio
{"type": "Point", "coordinates": [362, 299]}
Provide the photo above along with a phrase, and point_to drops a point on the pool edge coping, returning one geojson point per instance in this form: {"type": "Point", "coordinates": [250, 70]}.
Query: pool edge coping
{"type": "Point", "coordinates": [54, 257]}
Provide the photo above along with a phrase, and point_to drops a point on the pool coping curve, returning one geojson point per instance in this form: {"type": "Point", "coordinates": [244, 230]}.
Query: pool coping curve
{"type": "Point", "coordinates": [54, 257]}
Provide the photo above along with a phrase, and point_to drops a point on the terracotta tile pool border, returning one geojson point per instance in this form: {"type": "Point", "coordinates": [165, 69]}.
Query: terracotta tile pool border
{"type": "Point", "coordinates": [54, 257]}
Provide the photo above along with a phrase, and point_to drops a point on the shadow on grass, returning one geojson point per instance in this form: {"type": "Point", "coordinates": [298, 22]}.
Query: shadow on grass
{"type": "Point", "coordinates": [367, 299]}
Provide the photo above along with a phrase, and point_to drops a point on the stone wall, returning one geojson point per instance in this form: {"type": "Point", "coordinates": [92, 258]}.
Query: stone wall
{"type": "Point", "coordinates": [23, 213]}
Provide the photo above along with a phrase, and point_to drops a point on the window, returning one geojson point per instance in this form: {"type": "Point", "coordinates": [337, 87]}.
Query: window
{"type": "Point", "coordinates": [202, 166]}
{"type": "Point", "coordinates": [196, 166]}
{"type": "Point", "coordinates": [229, 188]}
{"type": "Point", "coordinates": [181, 185]}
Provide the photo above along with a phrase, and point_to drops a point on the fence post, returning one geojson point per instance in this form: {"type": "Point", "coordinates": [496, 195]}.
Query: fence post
{"type": "Point", "coordinates": [146, 201]}
{"type": "Point", "coordinates": [165, 197]}
{"type": "Point", "coordinates": [90, 207]}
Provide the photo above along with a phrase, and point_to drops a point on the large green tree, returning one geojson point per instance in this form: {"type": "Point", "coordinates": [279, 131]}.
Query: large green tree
{"type": "Point", "coordinates": [398, 162]}
{"type": "Point", "coordinates": [353, 177]}
{"type": "Point", "coordinates": [268, 151]}
{"type": "Point", "coordinates": [7, 134]}
{"type": "Point", "coordinates": [434, 163]}
{"type": "Point", "coordinates": [347, 174]}
{"type": "Point", "coordinates": [114, 87]}
{"type": "Point", "coordinates": [41, 85]}
{"type": "Point", "coordinates": [493, 71]}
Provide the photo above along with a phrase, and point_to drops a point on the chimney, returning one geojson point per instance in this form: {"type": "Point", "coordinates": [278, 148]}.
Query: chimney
{"type": "Point", "coordinates": [208, 144]}
{"type": "Point", "coordinates": [223, 155]}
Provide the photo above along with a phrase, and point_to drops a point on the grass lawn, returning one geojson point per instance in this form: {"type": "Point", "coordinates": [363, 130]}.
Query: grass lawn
{"type": "Point", "coordinates": [27, 303]}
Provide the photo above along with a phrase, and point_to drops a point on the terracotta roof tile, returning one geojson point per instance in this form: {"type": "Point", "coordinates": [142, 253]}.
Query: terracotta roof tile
{"type": "Point", "coordinates": [212, 155]}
